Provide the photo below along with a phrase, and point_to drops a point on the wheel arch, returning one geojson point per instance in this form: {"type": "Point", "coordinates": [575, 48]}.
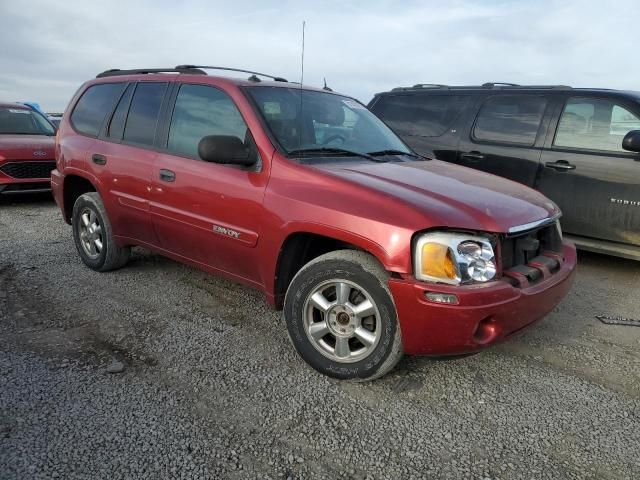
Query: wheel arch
{"type": "Point", "coordinates": [302, 246]}
{"type": "Point", "coordinates": [74, 186]}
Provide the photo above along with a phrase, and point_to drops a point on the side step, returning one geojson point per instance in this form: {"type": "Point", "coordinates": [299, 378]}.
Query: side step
{"type": "Point", "coordinates": [603, 246]}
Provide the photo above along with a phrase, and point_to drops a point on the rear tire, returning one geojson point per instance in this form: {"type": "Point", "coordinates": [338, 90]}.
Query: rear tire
{"type": "Point", "coordinates": [93, 235]}
{"type": "Point", "coordinates": [341, 317]}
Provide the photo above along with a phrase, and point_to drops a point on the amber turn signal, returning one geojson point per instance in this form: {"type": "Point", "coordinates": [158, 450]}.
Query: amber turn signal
{"type": "Point", "coordinates": [437, 261]}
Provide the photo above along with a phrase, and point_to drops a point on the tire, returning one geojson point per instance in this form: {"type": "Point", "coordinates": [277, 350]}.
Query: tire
{"type": "Point", "coordinates": [91, 225]}
{"type": "Point", "coordinates": [326, 303]}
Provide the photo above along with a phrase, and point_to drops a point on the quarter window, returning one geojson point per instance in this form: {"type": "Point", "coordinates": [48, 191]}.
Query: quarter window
{"type": "Point", "coordinates": [420, 115]}
{"type": "Point", "coordinates": [116, 126]}
{"type": "Point", "coordinates": [594, 124]}
{"type": "Point", "coordinates": [201, 111]}
{"type": "Point", "coordinates": [94, 105]}
{"type": "Point", "coordinates": [143, 113]}
{"type": "Point", "coordinates": [510, 119]}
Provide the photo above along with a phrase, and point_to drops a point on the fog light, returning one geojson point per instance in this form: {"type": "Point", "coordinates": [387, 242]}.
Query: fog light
{"type": "Point", "coordinates": [441, 298]}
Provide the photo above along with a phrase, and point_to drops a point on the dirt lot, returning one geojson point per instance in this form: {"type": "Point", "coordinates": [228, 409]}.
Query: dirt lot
{"type": "Point", "coordinates": [212, 388]}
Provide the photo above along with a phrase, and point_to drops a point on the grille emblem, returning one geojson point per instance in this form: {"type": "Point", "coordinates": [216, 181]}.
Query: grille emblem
{"type": "Point", "coordinates": [39, 153]}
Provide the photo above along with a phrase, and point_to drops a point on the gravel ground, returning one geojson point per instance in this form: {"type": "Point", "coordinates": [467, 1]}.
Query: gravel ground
{"type": "Point", "coordinates": [209, 386]}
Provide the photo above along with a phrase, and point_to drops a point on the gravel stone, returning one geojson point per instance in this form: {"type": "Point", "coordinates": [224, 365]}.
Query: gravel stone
{"type": "Point", "coordinates": [214, 390]}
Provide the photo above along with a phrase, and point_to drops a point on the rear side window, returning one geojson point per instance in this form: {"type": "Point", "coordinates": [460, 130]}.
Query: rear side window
{"type": "Point", "coordinates": [202, 111]}
{"type": "Point", "coordinates": [116, 126]}
{"type": "Point", "coordinates": [143, 113]}
{"type": "Point", "coordinates": [94, 105]}
{"type": "Point", "coordinates": [420, 115]}
{"type": "Point", "coordinates": [510, 119]}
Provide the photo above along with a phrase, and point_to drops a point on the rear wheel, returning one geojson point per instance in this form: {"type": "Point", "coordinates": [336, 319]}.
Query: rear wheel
{"type": "Point", "coordinates": [93, 235]}
{"type": "Point", "coordinates": [341, 316]}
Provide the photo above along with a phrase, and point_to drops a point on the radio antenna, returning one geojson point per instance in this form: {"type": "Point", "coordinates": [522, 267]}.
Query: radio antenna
{"type": "Point", "coordinates": [300, 120]}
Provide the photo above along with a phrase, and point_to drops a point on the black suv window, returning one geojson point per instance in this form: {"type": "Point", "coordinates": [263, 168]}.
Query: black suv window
{"type": "Point", "coordinates": [94, 105]}
{"type": "Point", "coordinates": [594, 124]}
{"type": "Point", "coordinates": [143, 113]}
{"type": "Point", "coordinates": [510, 119]}
{"type": "Point", "coordinates": [420, 115]}
{"type": "Point", "coordinates": [200, 111]}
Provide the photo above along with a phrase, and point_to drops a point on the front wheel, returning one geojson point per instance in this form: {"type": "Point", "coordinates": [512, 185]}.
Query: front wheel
{"type": "Point", "coordinates": [341, 317]}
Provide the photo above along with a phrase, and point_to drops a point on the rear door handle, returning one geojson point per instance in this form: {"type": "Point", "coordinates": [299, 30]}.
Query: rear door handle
{"type": "Point", "coordinates": [560, 165]}
{"type": "Point", "coordinates": [167, 175]}
{"type": "Point", "coordinates": [473, 156]}
{"type": "Point", "coordinates": [99, 159]}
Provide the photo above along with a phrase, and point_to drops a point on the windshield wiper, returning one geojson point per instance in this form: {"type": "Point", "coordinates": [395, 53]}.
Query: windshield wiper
{"type": "Point", "coordinates": [395, 152]}
{"type": "Point", "coordinates": [338, 151]}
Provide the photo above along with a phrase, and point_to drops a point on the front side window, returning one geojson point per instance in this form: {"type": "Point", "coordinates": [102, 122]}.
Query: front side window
{"type": "Point", "coordinates": [307, 120]}
{"type": "Point", "coordinates": [143, 113]}
{"type": "Point", "coordinates": [420, 115]}
{"type": "Point", "coordinates": [594, 124]}
{"type": "Point", "coordinates": [21, 121]}
{"type": "Point", "coordinates": [94, 105]}
{"type": "Point", "coordinates": [510, 119]}
{"type": "Point", "coordinates": [201, 111]}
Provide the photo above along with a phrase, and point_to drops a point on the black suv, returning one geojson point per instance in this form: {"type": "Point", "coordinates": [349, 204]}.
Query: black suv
{"type": "Point", "coordinates": [577, 146]}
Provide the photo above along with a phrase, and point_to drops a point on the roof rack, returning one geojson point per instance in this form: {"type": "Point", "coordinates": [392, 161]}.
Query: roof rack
{"type": "Point", "coordinates": [114, 72]}
{"type": "Point", "coordinates": [253, 78]}
{"type": "Point", "coordinates": [186, 69]}
{"type": "Point", "coordinates": [492, 85]}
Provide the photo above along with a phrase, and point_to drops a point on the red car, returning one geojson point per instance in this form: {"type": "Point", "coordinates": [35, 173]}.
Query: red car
{"type": "Point", "coordinates": [26, 150]}
{"type": "Point", "coordinates": [371, 250]}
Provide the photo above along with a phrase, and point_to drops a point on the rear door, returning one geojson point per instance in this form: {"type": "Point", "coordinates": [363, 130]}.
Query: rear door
{"type": "Point", "coordinates": [206, 212]}
{"type": "Point", "coordinates": [427, 121]}
{"type": "Point", "coordinates": [125, 157]}
{"type": "Point", "coordinates": [587, 173]}
{"type": "Point", "coordinates": [507, 135]}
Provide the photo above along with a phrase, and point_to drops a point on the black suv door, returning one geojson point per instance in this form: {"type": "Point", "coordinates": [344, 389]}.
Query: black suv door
{"type": "Point", "coordinates": [507, 135]}
{"type": "Point", "coordinates": [588, 174]}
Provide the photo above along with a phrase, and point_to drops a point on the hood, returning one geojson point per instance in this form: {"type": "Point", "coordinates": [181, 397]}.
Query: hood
{"type": "Point", "coordinates": [22, 147]}
{"type": "Point", "coordinates": [450, 195]}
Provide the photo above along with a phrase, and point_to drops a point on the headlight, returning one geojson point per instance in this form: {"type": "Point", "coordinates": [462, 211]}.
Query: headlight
{"type": "Point", "coordinates": [454, 258]}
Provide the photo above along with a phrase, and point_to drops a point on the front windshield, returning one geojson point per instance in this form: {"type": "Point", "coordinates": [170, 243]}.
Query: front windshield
{"type": "Point", "coordinates": [329, 123]}
{"type": "Point", "coordinates": [20, 121]}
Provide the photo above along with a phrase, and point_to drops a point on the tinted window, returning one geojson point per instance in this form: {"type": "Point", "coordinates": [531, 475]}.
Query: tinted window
{"type": "Point", "coordinates": [202, 111]}
{"type": "Point", "coordinates": [143, 113]}
{"type": "Point", "coordinates": [94, 105]}
{"type": "Point", "coordinates": [116, 126]}
{"type": "Point", "coordinates": [594, 124]}
{"type": "Point", "coordinates": [510, 119]}
{"type": "Point", "coordinates": [420, 115]}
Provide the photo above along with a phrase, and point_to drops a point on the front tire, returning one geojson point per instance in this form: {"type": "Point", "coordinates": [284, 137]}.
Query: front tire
{"type": "Point", "coordinates": [93, 235]}
{"type": "Point", "coordinates": [341, 317]}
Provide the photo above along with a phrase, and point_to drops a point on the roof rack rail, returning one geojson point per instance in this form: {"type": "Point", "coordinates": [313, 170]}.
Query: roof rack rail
{"type": "Point", "coordinates": [114, 72]}
{"type": "Point", "coordinates": [253, 78]}
{"type": "Point", "coordinates": [423, 85]}
{"type": "Point", "coordinates": [500, 84]}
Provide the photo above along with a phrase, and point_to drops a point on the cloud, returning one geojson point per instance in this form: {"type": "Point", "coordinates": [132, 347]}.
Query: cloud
{"type": "Point", "coordinates": [50, 48]}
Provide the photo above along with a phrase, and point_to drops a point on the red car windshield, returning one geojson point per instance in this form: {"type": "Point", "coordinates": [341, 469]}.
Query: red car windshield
{"type": "Point", "coordinates": [20, 121]}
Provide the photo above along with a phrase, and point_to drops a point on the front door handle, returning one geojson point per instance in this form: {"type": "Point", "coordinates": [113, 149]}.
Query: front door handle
{"type": "Point", "coordinates": [167, 175]}
{"type": "Point", "coordinates": [560, 165]}
{"type": "Point", "coordinates": [99, 159]}
{"type": "Point", "coordinates": [473, 156]}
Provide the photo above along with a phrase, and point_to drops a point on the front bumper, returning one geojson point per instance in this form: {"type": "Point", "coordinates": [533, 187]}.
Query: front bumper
{"type": "Point", "coordinates": [24, 183]}
{"type": "Point", "coordinates": [485, 314]}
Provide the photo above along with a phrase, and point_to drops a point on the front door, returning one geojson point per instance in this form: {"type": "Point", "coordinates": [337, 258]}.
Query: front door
{"type": "Point", "coordinates": [587, 173]}
{"type": "Point", "coordinates": [206, 212]}
{"type": "Point", "coordinates": [506, 137]}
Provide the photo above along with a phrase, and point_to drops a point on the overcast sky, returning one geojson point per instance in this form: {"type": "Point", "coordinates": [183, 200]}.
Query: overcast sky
{"type": "Point", "coordinates": [48, 48]}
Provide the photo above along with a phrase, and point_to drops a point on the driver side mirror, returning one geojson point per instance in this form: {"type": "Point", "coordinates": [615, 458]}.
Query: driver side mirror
{"type": "Point", "coordinates": [631, 141]}
{"type": "Point", "coordinates": [225, 149]}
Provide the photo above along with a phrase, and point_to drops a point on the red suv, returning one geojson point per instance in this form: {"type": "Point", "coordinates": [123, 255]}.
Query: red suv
{"type": "Point", "coordinates": [26, 150]}
{"type": "Point", "coordinates": [371, 250]}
